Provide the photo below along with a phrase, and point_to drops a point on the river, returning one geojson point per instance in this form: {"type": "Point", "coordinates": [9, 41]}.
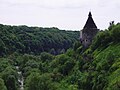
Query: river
{"type": "Point", "coordinates": [20, 78]}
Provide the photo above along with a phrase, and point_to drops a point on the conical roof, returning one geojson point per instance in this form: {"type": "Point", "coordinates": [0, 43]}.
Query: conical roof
{"type": "Point", "coordinates": [90, 22]}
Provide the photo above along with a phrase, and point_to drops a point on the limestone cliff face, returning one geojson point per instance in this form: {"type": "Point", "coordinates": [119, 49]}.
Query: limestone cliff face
{"type": "Point", "coordinates": [88, 32]}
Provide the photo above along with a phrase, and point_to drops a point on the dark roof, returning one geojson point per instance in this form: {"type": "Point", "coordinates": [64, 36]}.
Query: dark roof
{"type": "Point", "coordinates": [90, 23]}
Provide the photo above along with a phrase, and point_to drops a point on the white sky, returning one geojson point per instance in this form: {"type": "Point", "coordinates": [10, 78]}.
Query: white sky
{"type": "Point", "coordinates": [64, 14]}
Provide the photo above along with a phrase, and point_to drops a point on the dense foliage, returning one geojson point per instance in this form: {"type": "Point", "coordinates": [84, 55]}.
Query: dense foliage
{"type": "Point", "coordinates": [96, 68]}
{"type": "Point", "coordinates": [34, 40]}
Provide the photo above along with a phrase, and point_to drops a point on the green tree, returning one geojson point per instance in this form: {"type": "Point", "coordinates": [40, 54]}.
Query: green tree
{"type": "Point", "coordinates": [35, 81]}
{"type": "Point", "coordinates": [9, 75]}
{"type": "Point", "coordinates": [115, 33]}
{"type": "Point", "coordinates": [2, 85]}
{"type": "Point", "coordinates": [11, 83]}
{"type": "Point", "coordinates": [46, 56]}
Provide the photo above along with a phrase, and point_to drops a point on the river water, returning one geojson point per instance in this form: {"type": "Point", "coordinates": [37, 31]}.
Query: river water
{"type": "Point", "coordinates": [20, 78]}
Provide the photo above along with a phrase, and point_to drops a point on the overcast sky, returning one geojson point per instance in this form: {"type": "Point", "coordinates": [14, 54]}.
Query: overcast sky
{"type": "Point", "coordinates": [64, 14]}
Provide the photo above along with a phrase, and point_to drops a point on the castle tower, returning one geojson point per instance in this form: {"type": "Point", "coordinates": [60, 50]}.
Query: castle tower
{"type": "Point", "coordinates": [88, 32]}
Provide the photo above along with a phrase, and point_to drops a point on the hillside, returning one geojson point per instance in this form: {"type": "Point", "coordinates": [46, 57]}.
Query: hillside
{"type": "Point", "coordinates": [94, 68]}
{"type": "Point", "coordinates": [24, 39]}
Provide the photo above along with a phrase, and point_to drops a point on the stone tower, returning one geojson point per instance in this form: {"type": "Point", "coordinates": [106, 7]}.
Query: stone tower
{"type": "Point", "coordinates": [88, 32]}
